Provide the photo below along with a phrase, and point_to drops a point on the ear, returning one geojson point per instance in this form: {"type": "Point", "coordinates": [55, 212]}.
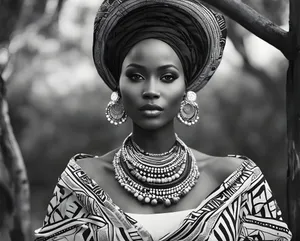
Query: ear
{"type": "Point", "coordinates": [119, 91]}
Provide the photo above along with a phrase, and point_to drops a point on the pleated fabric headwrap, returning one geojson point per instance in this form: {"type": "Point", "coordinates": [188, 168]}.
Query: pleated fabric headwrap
{"type": "Point", "coordinates": [195, 33]}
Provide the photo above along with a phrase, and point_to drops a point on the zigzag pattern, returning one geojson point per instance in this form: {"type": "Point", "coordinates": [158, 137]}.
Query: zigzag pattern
{"type": "Point", "coordinates": [242, 208]}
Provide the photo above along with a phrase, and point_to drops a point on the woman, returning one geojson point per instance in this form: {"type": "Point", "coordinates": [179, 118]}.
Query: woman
{"type": "Point", "coordinates": [155, 55]}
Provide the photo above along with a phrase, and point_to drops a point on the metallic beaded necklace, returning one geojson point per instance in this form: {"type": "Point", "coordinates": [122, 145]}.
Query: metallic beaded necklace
{"type": "Point", "coordinates": [156, 178]}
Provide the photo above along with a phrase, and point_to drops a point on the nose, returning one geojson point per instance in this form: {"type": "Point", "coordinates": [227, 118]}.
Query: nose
{"type": "Point", "coordinates": [151, 91]}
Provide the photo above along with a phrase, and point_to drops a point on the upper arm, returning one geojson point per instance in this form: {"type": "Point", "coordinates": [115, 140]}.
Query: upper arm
{"type": "Point", "coordinates": [69, 214]}
{"type": "Point", "coordinates": [261, 215]}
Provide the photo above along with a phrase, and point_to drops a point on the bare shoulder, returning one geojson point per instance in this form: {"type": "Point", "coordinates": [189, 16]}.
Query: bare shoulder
{"type": "Point", "coordinates": [219, 166]}
{"type": "Point", "coordinates": [98, 160]}
{"type": "Point", "coordinates": [98, 167]}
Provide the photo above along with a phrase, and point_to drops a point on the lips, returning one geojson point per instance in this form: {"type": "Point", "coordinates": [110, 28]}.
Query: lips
{"type": "Point", "coordinates": [151, 107]}
{"type": "Point", "coordinates": [151, 110]}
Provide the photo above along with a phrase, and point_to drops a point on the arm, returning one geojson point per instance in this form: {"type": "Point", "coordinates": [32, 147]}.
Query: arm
{"type": "Point", "coordinates": [261, 217]}
{"type": "Point", "coordinates": [67, 219]}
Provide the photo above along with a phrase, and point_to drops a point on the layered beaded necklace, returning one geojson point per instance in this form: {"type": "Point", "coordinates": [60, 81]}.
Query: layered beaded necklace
{"type": "Point", "coordinates": [156, 178]}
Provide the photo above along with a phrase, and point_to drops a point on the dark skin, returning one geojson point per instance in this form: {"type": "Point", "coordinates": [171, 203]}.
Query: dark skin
{"type": "Point", "coordinates": [213, 171]}
{"type": "Point", "coordinates": [152, 73]}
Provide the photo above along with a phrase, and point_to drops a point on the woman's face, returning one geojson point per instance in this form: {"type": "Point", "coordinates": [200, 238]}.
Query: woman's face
{"type": "Point", "coordinates": [152, 84]}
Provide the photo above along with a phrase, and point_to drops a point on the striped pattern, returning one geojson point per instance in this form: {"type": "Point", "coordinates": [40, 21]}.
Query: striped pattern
{"type": "Point", "coordinates": [241, 208]}
{"type": "Point", "coordinates": [213, 23]}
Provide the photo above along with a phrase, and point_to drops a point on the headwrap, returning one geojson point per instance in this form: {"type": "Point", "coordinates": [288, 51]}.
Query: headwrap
{"type": "Point", "coordinates": [195, 33]}
{"type": "Point", "coordinates": [159, 23]}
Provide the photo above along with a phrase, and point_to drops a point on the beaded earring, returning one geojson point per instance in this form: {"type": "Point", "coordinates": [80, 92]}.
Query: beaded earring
{"type": "Point", "coordinates": [115, 112]}
{"type": "Point", "coordinates": [189, 110]}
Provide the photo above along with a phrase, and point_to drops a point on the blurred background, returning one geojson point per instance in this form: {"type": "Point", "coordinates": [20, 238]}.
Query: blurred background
{"type": "Point", "coordinates": [57, 100]}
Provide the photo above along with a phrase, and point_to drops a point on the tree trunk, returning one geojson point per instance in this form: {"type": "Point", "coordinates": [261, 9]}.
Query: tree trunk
{"type": "Point", "coordinates": [16, 186]}
{"type": "Point", "coordinates": [293, 123]}
{"type": "Point", "coordinates": [289, 44]}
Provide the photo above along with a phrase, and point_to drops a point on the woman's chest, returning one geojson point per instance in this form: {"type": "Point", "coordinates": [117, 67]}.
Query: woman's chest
{"type": "Point", "coordinates": [126, 200]}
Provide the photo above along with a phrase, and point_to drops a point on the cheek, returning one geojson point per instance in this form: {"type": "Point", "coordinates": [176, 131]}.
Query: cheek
{"type": "Point", "coordinates": [129, 94]}
{"type": "Point", "coordinates": [176, 94]}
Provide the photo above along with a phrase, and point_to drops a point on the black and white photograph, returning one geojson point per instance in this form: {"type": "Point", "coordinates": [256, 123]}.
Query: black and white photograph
{"type": "Point", "coordinates": [149, 120]}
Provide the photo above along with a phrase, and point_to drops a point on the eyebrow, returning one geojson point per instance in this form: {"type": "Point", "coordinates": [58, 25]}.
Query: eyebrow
{"type": "Point", "coordinates": [159, 68]}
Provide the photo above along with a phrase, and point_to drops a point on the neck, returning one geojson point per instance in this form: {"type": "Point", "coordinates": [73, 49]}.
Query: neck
{"type": "Point", "coordinates": [154, 141]}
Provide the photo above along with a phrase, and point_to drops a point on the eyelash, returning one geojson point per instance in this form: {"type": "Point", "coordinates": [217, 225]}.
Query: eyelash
{"type": "Point", "coordinates": [140, 77]}
{"type": "Point", "coordinates": [169, 75]}
{"type": "Point", "coordinates": [132, 77]}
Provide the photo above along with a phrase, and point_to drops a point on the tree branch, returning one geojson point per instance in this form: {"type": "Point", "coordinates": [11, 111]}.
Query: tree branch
{"type": "Point", "coordinates": [256, 23]}
{"type": "Point", "coordinates": [14, 161]}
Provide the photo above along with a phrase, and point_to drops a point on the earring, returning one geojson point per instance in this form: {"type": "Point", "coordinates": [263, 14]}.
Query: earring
{"type": "Point", "coordinates": [189, 110]}
{"type": "Point", "coordinates": [115, 112]}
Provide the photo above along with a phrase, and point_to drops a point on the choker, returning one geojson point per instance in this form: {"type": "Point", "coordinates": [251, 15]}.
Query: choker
{"type": "Point", "coordinates": [162, 178]}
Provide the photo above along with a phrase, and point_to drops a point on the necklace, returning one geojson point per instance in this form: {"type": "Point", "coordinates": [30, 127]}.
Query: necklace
{"type": "Point", "coordinates": [156, 178]}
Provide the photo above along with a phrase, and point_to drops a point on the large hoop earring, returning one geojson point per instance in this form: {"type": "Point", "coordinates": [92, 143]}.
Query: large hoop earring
{"type": "Point", "coordinates": [189, 110]}
{"type": "Point", "coordinates": [115, 112]}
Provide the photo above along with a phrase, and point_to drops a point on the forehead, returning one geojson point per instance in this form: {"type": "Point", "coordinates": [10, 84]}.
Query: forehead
{"type": "Point", "coordinates": [152, 50]}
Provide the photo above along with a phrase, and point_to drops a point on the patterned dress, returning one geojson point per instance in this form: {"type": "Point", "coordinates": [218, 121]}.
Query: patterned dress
{"type": "Point", "coordinates": [241, 208]}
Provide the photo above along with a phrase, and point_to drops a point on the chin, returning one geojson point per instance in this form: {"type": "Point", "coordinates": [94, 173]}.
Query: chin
{"type": "Point", "coordinates": [152, 124]}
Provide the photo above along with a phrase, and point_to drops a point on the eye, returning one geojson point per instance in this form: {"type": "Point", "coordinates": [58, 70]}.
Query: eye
{"type": "Point", "coordinates": [168, 78]}
{"type": "Point", "coordinates": [135, 77]}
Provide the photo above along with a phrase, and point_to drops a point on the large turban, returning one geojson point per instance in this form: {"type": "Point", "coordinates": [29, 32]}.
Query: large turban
{"type": "Point", "coordinates": [195, 33]}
